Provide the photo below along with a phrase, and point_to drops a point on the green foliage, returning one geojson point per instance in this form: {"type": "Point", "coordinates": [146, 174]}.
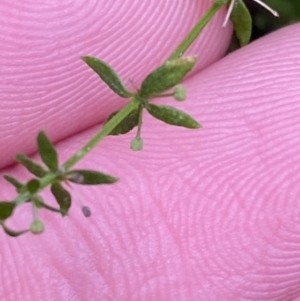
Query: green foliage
{"type": "Point", "coordinates": [167, 76]}
{"type": "Point", "coordinates": [20, 187]}
{"type": "Point", "coordinates": [108, 75]}
{"type": "Point", "coordinates": [33, 186]}
{"type": "Point", "coordinates": [127, 124]}
{"type": "Point", "coordinates": [242, 22]}
{"type": "Point", "coordinates": [156, 84]}
{"type": "Point", "coordinates": [172, 116]}
{"type": "Point", "coordinates": [11, 232]}
{"type": "Point", "coordinates": [62, 197]}
{"type": "Point", "coordinates": [47, 151]}
{"type": "Point", "coordinates": [89, 177]}
{"type": "Point", "coordinates": [6, 209]}
{"type": "Point", "coordinates": [31, 165]}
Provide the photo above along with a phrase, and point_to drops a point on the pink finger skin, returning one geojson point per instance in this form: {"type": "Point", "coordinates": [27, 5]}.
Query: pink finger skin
{"type": "Point", "coordinates": [44, 84]}
{"type": "Point", "coordinates": [210, 214]}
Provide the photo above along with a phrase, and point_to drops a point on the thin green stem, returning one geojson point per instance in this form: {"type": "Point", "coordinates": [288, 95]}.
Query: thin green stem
{"type": "Point", "coordinates": [196, 30]}
{"type": "Point", "coordinates": [106, 129]}
{"type": "Point", "coordinates": [45, 181]}
{"type": "Point", "coordinates": [139, 130]}
{"type": "Point", "coordinates": [34, 211]}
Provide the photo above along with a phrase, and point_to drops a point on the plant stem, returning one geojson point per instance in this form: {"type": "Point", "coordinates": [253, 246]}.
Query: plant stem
{"type": "Point", "coordinates": [138, 134]}
{"type": "Point", "coordinates": [133, 104]}
{"type": "Point", "coordinates": [194, 33]}
{"type": "Point", "coordinates": [106, 129]}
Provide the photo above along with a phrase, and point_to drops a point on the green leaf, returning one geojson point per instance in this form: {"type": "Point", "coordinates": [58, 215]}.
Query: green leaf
{"type": "Point", "coordinates": [108, 75]}
{"type": "Point", "coordinates": [172, 116]}
{"type": "Point", "coordinates": [62, 197]}
{"type": "Point", "coordinates": [167, 75]}
{"type": "Point", "coordinates": [31, 165]}
{"type": "Point", "coordinates": [33, 186]}
{"type": "Point", "coordinates": [89, 177]}
{"type": "Point", "coordinates": [47, 151]}
{"type": "Point", "coordinates": [242, 22]}
{"type": "Point", "coordinates": [6, 209]}
{"type": "Point", "coordinates": [127, 124]}
{"type": "Point", "coordinates": [20, 187]}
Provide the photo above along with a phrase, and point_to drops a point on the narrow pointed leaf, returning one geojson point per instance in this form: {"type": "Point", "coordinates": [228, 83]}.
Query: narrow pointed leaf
{"type": "Point", "coordinates": [242, 22]}
{"type": "Point", "coordinates": [90, 177]}
{"type": "Point", "coordinates": [127, 124]}
{"type": "Point", "coordinates": [62, 197]}
{"type": "Point", "coordinates": [108, 75]}
{"type": "Point", "coordinates": [11, 232]}
{"type": "Point", "coordinates": [172, 116]}
{"type": "Point", "coordinates": [31, 165]}
{"type": "Point", "coordinates": [167, 75]}
{"type": "Point", "coordinates": [33, 186]}
{"type": "Point", "coordinates": [47, 151]}
{"type": "Point", "coordinates": [6, 209]}
{"type": "Point", "coordinates": [20, 187]}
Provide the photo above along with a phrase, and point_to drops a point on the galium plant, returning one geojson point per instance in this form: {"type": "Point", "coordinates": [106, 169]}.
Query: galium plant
{"type": "Point", "coordinates": [164, 81]}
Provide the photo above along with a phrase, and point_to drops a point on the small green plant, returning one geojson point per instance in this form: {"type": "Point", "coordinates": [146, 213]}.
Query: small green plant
{"type": "Point", "coordinates": [164, 81]}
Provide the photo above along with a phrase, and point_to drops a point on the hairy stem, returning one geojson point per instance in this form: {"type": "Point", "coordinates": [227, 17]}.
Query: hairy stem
{"type": "Point", "coordinates": [196, 30]}
{"type": "Point", "coordinates": [106, 129]}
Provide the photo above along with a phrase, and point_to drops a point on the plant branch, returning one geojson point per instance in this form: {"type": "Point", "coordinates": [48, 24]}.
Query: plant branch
{"type": "Point", "coordinates": [126, 110]}
{"type": "Point", "coordinates": [105, 130]}
{"type": "Point", "coordinates": [196, 30]}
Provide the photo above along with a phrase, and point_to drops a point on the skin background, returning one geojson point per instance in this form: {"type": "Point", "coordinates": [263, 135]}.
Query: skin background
{"type": "Point", "coordinates": [198, 215]}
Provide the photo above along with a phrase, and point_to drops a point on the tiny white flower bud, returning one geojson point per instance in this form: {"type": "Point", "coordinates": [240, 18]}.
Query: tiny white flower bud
{"type": "Point", "coordinates": [137, 144]}
{"type": "Point", "coordinates": [37, 226]}
{"type": "Point", "coordinates": [180, 92]}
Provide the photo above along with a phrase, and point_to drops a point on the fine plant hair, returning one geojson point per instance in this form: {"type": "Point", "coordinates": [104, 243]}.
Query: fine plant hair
{"type": "Point", "coordinates": [164, 81]}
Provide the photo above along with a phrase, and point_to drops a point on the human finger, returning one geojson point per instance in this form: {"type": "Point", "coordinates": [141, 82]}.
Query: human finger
{"type": "Point", "coordinates": [211, 214]}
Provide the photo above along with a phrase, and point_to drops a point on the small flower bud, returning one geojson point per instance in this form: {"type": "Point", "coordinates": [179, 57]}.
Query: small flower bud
{"type": "Point", "coordinates": [86, 211]}
{"type": "Point", "coordinates": [137, 144]}
{"type": "Point", "coordinates": [37, 226]}
{"type": "Point", "coordinates": [180, 92]}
